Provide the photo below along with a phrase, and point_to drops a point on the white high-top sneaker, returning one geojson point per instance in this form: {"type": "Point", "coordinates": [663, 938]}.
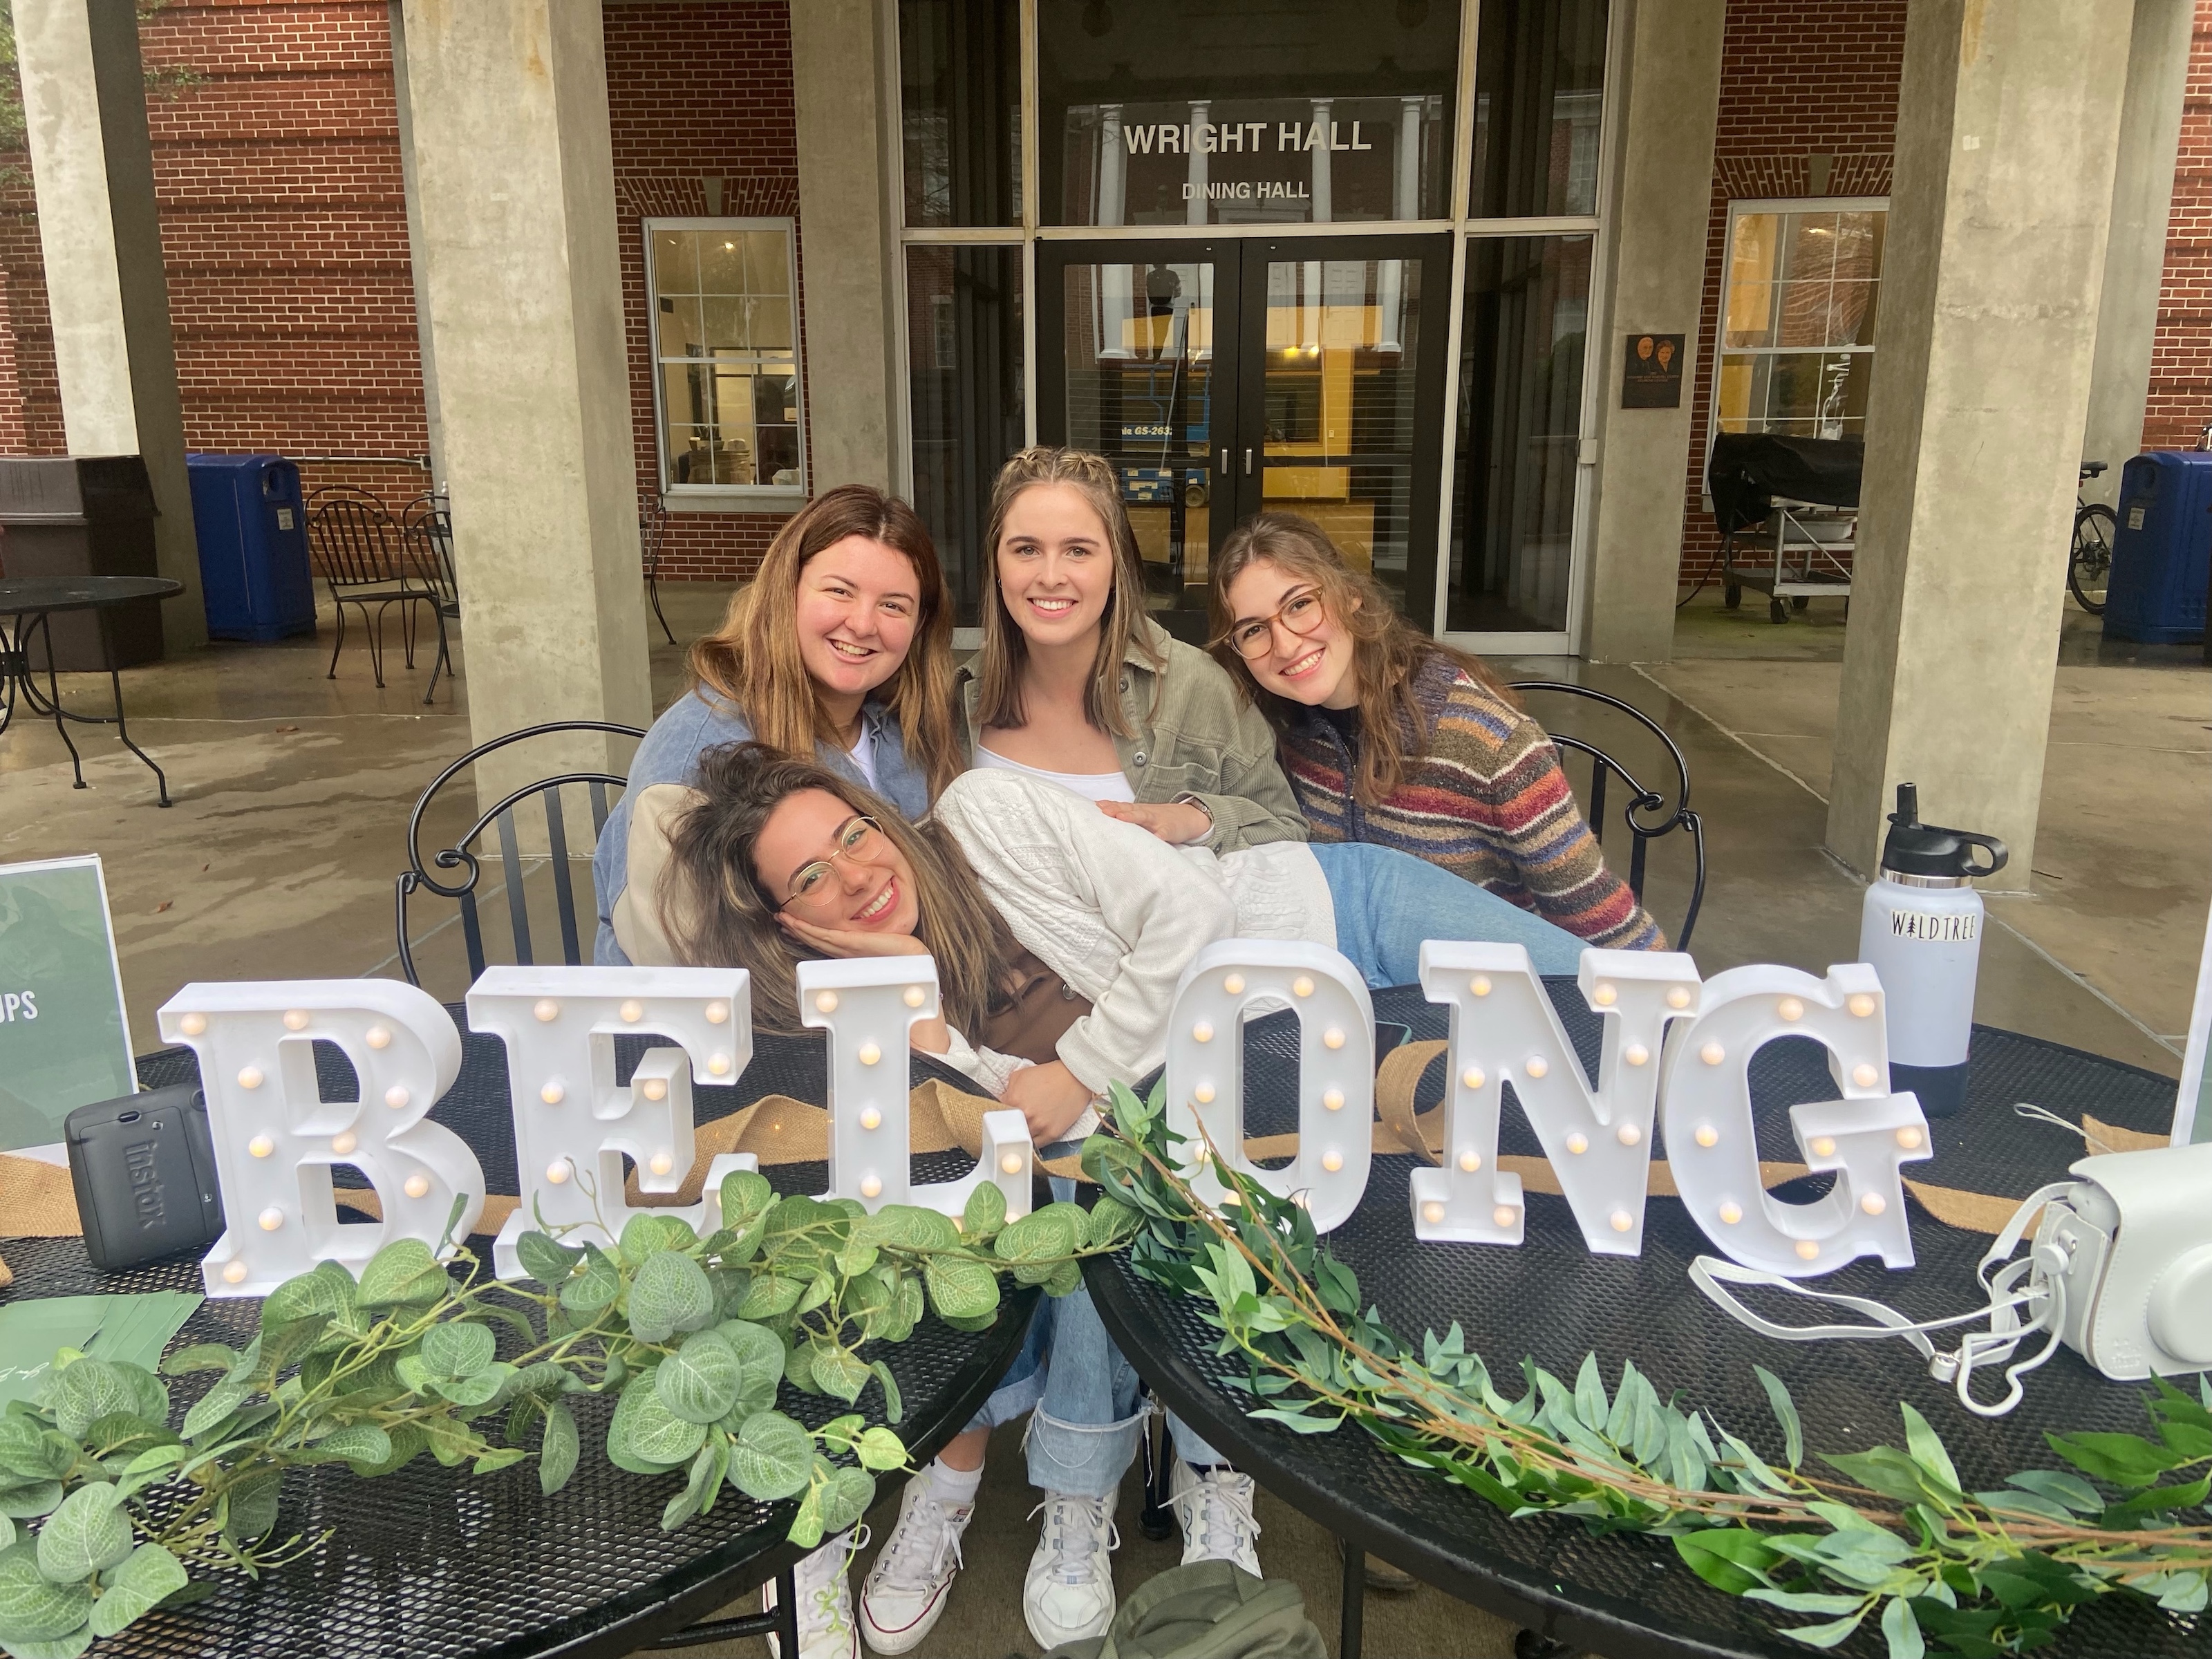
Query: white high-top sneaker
{"type": "Point", "coordinates": [825, 1601]}
{"type": "Point", "coordinates": [1215, 1511]}
{"type": "Point", "coordinates": [907, 1587]}
{"type": "Point", "coordinates": [1069, 1594]}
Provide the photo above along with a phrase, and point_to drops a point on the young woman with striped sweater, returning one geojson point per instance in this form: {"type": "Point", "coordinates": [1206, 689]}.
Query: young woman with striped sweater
{"type": "Point", "coordinates": [1389, 737]}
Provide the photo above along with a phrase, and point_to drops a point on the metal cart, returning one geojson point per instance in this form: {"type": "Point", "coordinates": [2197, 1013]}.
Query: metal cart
{"type": "Point", "coordinates": [1787, 509]}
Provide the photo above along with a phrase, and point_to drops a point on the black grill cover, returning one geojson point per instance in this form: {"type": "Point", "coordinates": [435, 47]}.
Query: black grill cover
{"type": "Point", "coordinates": [1749, 469]}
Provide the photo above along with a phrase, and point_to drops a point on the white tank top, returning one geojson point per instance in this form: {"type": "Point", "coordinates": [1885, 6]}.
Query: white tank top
{"type": "Point", "coordinates": [1091, 786]}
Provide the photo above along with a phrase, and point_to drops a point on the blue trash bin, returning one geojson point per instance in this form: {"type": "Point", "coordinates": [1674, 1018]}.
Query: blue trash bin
{"type": "Point", "coordinates": [2162, 556]}
{"type": "Point", "coordinates": [252, 527]}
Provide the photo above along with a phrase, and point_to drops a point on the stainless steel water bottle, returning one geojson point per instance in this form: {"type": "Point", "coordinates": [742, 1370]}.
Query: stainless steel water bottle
{"type": "Point", "coordinates": [1921, 929]}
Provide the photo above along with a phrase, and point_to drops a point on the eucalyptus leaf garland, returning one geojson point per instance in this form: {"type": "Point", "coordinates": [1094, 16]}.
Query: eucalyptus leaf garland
{"type": "Point", "coordinates": [1887, 1536]}
{"type": "Point", "coordinates": [692, 1337]}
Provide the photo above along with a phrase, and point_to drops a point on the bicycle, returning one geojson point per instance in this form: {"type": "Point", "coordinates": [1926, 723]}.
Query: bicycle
{"type": "Point", "coordinates": [2089, 560]}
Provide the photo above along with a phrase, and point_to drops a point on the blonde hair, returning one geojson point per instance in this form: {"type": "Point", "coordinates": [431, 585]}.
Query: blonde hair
{"type": "Point", "coordinates": [753, 658]}
{"type": "Point", "coordinates": [1006, 649]}
{"type": "Point", "coordinates": [1387, 651]}
{"type": "Point", "coordinates": [719, 915]}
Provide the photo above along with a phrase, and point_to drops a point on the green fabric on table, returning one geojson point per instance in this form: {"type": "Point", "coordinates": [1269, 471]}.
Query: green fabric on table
{"type": "Point", "coordinates": [133, 1328]}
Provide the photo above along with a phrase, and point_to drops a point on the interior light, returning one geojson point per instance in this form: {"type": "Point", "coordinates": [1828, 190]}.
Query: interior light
{"type": "Point", "coordinates": [729, 247]}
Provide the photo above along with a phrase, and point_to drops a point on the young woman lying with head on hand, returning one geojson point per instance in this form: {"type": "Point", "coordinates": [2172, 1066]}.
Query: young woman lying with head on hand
{"type": "Point", "coordinates": [770, 859]}
{"type": "Point", "coordinates": [1390, 738]}
{"type": "Point", "coordinates": [1059, 934]}
{"type": "Point", "coordinates": [1077, 686]}
{"type": "Point", "coordinates": [839, 650]}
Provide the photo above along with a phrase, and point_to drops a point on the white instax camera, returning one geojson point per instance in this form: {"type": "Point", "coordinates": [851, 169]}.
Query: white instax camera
{"type": "Point", "coordinates": [2135, 1231]}
{"type": "Point", "coordinates": [2120, 1271]}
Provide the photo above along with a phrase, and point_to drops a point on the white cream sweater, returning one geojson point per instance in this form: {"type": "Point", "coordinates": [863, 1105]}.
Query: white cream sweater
{"type": "Point", "coordinates": [1110, 908]}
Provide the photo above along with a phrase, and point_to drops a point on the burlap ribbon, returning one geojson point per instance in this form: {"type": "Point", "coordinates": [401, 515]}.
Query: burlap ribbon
{"type": "Point", "coordinates": [37, 1200]}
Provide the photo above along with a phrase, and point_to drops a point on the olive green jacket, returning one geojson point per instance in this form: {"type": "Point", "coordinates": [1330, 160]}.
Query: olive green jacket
{"type": "Point", "coordinates": [1194, 735]}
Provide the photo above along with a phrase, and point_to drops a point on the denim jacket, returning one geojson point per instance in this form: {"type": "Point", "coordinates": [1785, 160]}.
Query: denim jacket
{"type": "Point", "coordinates": [701, 719]}
{"type": "Point", "coordinates": [1195, 734]}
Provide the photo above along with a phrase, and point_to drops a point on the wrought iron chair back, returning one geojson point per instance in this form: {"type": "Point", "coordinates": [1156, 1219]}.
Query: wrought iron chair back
{"type": "Point", "coordinates": [465, 855]}
{"type": "Point", "coordinates": [355, 541]}
{"type": "Point", "coordinates": [1647, 813]}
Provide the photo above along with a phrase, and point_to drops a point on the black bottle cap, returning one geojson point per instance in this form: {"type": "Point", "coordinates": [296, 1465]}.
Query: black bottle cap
{"type": "Point", "coordinates": [1914, 849]}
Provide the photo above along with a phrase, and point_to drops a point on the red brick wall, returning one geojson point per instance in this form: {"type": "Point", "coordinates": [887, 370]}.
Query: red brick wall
{"type": "Point", "coordinates": [697, 92]}
{"type": "Point", "coordinates": [284, 230]}
{"type": "Point", "coordinates": [2181, 351]}
{"type": "Point", "coordinates": [1797, 81]}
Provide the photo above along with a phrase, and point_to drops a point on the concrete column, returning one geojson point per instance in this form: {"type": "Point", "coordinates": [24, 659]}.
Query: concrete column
{"type": "Point", "coordinates": [84, 112]}
{"type": "Point", "coordinates": [2007, 123]}
{"type": "Point", "coordinates": [1116, 297]}
{"type": "Point", "coordinates": [424, 344]}
{"type": "Point", "coordinates": [514, 182]}
{"type": "Point", "coordinates": [1654, 283]}
{"type": "Point", "coordinates": [841, 65]}
{"type": "Point", "coordinates": [1194, 163]}
{"type": "Point", "coordinates": [2135, 252]}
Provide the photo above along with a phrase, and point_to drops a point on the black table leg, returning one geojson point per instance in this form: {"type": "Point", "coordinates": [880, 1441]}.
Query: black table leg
{"type": "Point", "coordinates": [54, 697]}
{"type": "Point", "coordinates": [115, 680]}
{"type": "Point", "coordinates": [786, 1613]}
{"type": "Point", "coordinates": [15, 667]}
{"type": "Point", "coordinates": [781, 1621]}
{"type": "Point", "coordinates": [1355, 1599]}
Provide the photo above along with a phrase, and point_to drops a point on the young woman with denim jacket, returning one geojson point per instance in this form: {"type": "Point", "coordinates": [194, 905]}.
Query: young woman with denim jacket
{"type": "Point", "coordinates": [839, 650]}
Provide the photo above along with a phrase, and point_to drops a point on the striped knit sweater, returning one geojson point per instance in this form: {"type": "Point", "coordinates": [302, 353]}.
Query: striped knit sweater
{"type": "Point", "coordinates": [1486, 798]}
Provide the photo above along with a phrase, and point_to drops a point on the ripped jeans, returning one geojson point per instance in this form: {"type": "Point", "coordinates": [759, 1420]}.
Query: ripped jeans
{"type": "Point", "coordinates": [1081, 1397]}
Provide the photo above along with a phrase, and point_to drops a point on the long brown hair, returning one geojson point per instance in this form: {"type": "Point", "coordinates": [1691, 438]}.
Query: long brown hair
{"type": "Point", "coordinates": [717, 915]}
{"type": "Point", "coordinates": [753, 658]}
{"type": "Point", "coordinates": [1387, 651]}
{"type": "Point", "coordinates": [1006, 649]}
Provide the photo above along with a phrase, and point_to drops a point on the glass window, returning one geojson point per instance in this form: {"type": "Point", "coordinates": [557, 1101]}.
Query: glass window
{"type": "Point", "coordinates": [1539, 92]}
{"type": "Point", "coordinates": [965, 375]}
{"type": "Point", "coordinates": [1339, 382]}
{"type": "Point", "coordinates": [1141, 390]}
{"type": "Point", "coordinates": [725, 345]}
{"type": "Point", "coordinates": [1802, 287]}
{"type": "Point", "coordinates": [1244, 112]}
{"type": "Point", "coordinates": [960, 94]}
{"type": "Point", "coordinates": [1523, 344]}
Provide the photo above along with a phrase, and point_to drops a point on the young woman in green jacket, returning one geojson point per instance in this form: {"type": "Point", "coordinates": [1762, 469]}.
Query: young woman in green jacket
{"type": "Point", "coordinates": [1077, 685]}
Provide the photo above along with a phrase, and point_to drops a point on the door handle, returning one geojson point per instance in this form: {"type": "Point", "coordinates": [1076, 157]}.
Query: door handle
{"type": "Point", "coordinates": [1224, 463]}
{"type": "Point", "coordinates": [1247, 463]}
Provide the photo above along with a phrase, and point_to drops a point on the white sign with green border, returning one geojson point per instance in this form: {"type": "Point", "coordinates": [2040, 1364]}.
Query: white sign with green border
{"type": "Point", "coordinates": [65, 1041]}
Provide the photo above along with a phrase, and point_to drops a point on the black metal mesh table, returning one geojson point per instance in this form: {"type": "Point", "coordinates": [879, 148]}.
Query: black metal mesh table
{"type": "Point", "coordinates": [428, 1561]}
{"type": "Point", "coordinates": [1625, 1596]}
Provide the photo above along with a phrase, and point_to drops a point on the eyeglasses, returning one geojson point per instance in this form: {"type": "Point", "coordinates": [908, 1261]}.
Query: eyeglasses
{"type": "Point", "coordinates": [1300, 614]}
{"type": "Point", "coordinates": [860, 840]}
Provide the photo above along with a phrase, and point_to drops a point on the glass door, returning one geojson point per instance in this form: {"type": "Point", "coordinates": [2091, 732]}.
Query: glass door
{"type": "Point", "coordinates": [1221, 377]}
{"type": "Point", "coordinates": [1342, 405]}
{"type": "Point", "coordinates": [1145, 366]}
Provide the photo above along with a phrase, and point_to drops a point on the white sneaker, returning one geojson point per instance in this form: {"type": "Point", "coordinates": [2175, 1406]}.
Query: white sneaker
{"type": "Point", "coordinates": [1215, 1511]}
{"type": "Point", "coordinates": [1069, 1593]}
{"type": "Point", "coordinates": [825, 1601]}
{"type": "Point", "coordinates": [907, 1588]}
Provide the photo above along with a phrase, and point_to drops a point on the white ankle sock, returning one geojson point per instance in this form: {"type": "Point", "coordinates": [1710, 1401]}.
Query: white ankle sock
{"type": "Point", "coordinates": [954, 1486]}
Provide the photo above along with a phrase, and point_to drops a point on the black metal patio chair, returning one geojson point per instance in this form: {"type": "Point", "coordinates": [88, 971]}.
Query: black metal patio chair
{"type": "Point", "coordinates": [464, 855]}
{"type": "Point", "coordinates": [652, 532]}
{"type": "Point", "coordinates": [1647, 812]}
{"type": "Point", "coordinates": [360, 551]}
{"type": "Point", "coordinates": [426, 524]}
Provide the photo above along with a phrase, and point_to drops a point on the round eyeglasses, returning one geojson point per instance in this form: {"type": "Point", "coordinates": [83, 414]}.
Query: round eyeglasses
{"type": "Point", "coordinates": [861, 839]}
{"type": "Point", "coordinates": [1300, 614]}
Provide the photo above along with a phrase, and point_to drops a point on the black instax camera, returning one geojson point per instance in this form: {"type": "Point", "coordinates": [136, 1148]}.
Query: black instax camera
{"type": "Point", "coordinates": [144, 1167]}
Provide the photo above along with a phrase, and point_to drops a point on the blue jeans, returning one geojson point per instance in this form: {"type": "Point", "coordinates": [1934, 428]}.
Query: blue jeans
{"type": "Point", "coordinates": [1080, 1395]}
{"type": "Point", "coordinates": [1388, 901]}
